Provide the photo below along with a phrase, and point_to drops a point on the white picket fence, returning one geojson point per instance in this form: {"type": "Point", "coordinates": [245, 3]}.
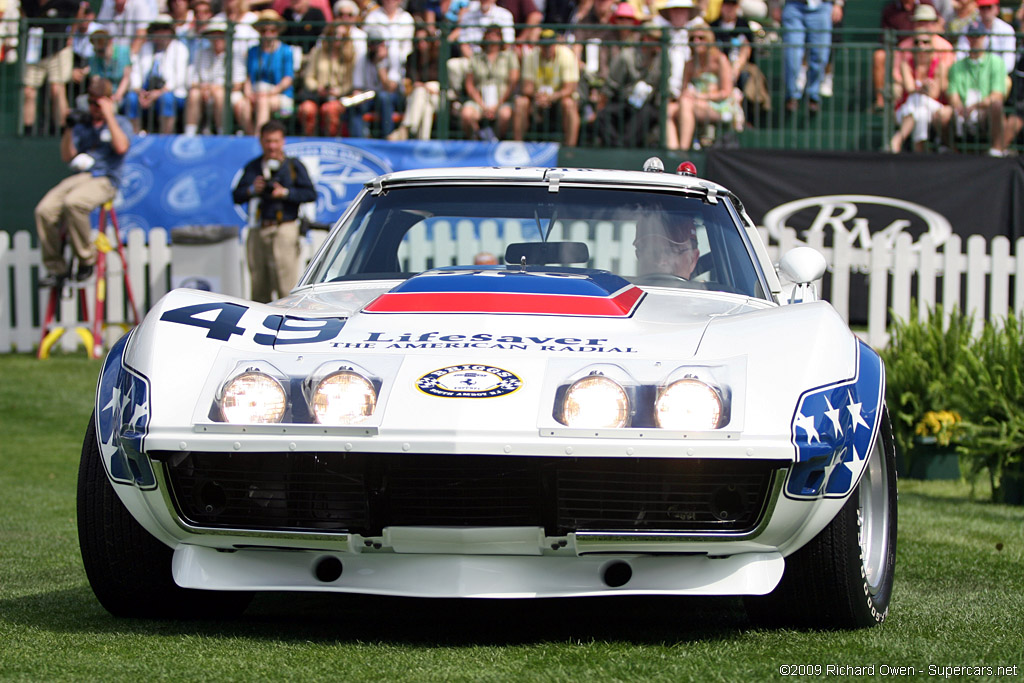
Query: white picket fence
{"type": "Point", "coordinates": [987, 280]}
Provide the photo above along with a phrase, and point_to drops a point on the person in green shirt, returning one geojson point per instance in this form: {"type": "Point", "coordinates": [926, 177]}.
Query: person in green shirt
{"type": "Point", "coordinates": [977, 89]}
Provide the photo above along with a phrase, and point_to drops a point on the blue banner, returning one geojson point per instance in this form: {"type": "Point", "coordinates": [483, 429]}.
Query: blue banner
{"type": "Point", "coordinates": [174, 180]}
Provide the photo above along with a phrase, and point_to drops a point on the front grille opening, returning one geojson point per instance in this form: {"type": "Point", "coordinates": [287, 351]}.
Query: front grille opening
{"type": "Point", "coordinates": [363, 492]}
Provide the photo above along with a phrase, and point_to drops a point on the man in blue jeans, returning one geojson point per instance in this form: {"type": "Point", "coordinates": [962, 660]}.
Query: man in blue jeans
{"type": "Point", "coordinates": [806, 27]}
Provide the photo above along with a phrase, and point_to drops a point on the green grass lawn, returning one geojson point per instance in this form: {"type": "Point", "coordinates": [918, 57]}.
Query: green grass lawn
{"type": "Point", "coordinates": [959, 597]}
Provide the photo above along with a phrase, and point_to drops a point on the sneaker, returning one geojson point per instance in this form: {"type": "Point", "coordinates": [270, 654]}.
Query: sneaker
{"type": "Point", "coordinates": [51, 280]}
{"type": "Point", "coordinates": [398, 134]}
{"type": "Point", "coordinates": [83, 273]}
{"type": "Point", "coordinates": [801, 78]}
{"type": "Point", "coordinates": [827, 85]}
{"type": "Point", "coordinates": [993, 152]}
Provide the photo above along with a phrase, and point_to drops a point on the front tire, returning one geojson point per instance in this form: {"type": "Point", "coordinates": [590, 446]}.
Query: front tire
{"type": "Point", "coordinates": [843, 578]}
{"type": "Point", "coordinates": [130, 570]}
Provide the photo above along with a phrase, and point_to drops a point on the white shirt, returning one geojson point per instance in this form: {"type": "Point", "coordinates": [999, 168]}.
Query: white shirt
{"type": "Point", "coordinates": [137, 14]}
{"type": "Point", "coordinates": [399, 31]}
{"type": "Point", "coordinates": [171, 65]}
{"type": "Point", "coordinates": [209, 68]}
{"type": "Point", "coordinates": [474, 21]}
{"type": "Point", "coordinates": [1002, 42]}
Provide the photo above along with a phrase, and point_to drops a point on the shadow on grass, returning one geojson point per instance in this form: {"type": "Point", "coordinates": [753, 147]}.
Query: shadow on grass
{"type": "Point", "coordinates": [333, 618]}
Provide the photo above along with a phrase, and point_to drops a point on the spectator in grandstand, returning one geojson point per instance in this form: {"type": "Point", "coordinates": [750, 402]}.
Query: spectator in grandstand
{"type": "Point", "coordinates": [806, 32]}
{"type": "Point", "coordinates": [181, 14]}
{"type": "Point", "coordinates": [422, 75]}
{"type": "Point", "coordinates": [324, 6]}
{"type": "Point", "coordinates": [926, 23]}
{"type": "Point", "coordinates": [965, 13]}
{"type": "Point", "coordinates": [379, 73]}
{"type": "Point", "coordinates": [268, 86]}
{"type": "Point", "coordinates": [561, 12]}
{"type": "Point", "coordinates": [1015, 120]}
{"type": "Point", "coordinates": [305, 25]}
{"type": "Point", "coordinates": [898, 18]}
{"type": "Point", "coordinates": [707, 87]}
{"type": "Point", "coordinates": [595, 48]}
{"type": "Point", "coordinates": [48, 57]}
{"type": "Point", "coordinates": [94, 148]}
{"type": "Point", "coordinates": [348, 12]}
{"type": "Point", "coordinates": [482, 13]}
{"type": "Point", "coordinates": [206, 96]}
{"type": "Point", "coordinates": [327, 78]}
{"type": "Point", "coordinates": [245, 36]}
{"type": "Point", "coordinates": [548, 94]}
{"type": "Point", "coordinates": [398, 27]}
{"type": "Point", "coordinates": [111, 62]}
{"type": "Point", "coordinates": [202, 13]}
{"type": "Point", "coordinates": [526, 15]}
{"type": "Point", "coordinates": [445, 13]}
{"type": "Point", "coordinates": [81, 45]}
{"type": "Point", "coordinates": [279, 184]}
{"type": "Point", "coordinates": [1002, 41]}
{"type": "Point", "coordinates": [977, 89]}
{"type": "Point", "coordinates": [736, 37]}
{"type": "Point", "coordinates": [632, 92]}
{"type": "Point", "coordinates": [675, 16]}
{"type": "Point", "coordinates": [159, 77]}
{"type": "Point", "coordinates": [128, 21]}
{"type": "Point", "coordinates": [490, 85]}
{"type": "Point", "coordinates": [924, 80]}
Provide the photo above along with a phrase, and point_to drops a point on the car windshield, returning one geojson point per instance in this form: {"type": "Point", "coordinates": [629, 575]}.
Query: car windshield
{"type": "Point", "coordinates": [657, 239]}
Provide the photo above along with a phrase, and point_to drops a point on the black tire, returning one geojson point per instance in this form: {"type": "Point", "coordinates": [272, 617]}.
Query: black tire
{"type": "Point", "coordinates": [826, 584]}
{"type": "Point", "coordinates": [130, 570]}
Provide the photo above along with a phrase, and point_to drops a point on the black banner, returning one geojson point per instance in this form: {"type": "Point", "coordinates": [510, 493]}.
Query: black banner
{"type": "Point", "coordinates": [865, 193]}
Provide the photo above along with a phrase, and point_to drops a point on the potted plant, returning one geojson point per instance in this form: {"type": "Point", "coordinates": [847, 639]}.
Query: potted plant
{"type": "Point", "coordinates": [935, 446]}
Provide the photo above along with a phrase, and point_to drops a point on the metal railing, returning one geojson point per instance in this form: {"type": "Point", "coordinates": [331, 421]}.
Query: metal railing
{"type": "Point", "coordinates": [847, 120]}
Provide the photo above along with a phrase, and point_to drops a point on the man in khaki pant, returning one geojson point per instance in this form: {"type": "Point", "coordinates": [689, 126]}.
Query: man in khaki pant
{"type": "Point", "coordinates": [280, 184]}
{"type": "Point", "coordinates": [95, 147]}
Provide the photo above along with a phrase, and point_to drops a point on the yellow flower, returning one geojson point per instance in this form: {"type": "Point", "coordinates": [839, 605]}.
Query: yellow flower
{"type": "Point", "coordinates": [941, 424]}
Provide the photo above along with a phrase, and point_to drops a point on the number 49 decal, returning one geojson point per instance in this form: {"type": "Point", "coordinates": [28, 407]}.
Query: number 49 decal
{"type": "Point", "coordinates": [224, 324]}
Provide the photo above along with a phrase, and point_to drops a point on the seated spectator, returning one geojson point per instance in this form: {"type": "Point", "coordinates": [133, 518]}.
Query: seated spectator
{"type": "Point", "coordinates": [327, 78]}
{"type": "Point", "coordinates": [734, 33]}
{"type": "Point", "coordinates": [926, 22]}
{"type": "Point", "coordinates": [977, 88]}
{"type": "Point", "coordinates": [526, 15]}
{"type": "Point", "coordinates": [269, 75]}
{"type": "Point", "coordinates": [181, 15]}
{"type": "Point", "coordinates": [128, 21]}
{"type": "Point", "coordinates": [595, 47]}
{"type": "Point", "coordinates": [422, 73]}
{"type": "Point", "coordinates": [81, 45]}
{"type": "Point", "coordinates": [548, 96]}
{"type": "Point", "coordinates": [707, 87]}
{"type": "Point", "coordinates": [305, 24]}
{"type": "Point", "coordinates": [206, 91]}
{"type": "Point", "coordinates": [633, 94]}
{"type": "Point", "coordinates": [202, 13]}
{"type": "Point", "coordinates": [1002, 41]}
{"type": "Point", "coordinates": [1015, 120]}
{"type": "Point", "coordinates": [379, 73]}
{"type": "Point", "coordinates": [898, 17]}
{"type": "Point", "coordinates": [676, 16]}
{"type": "Point", "coordinates": [490, 85]}
{"type": "Point", "coordinates": [159, 77]}
{"type": "Point", "coordinates": [965, 13]}
{"type": "Point", "coordinates": [398, 27]}
{"type": "Point", "coordinates": [480, 14]}
{"type": "Point", "coordinates": [111, 62]}
{"type": "Point", "coordinates": [924, 80]}
{"type": "Point", "coordinates": [324, 6]}
{"type": "Point", "coordinates": [348, 12]}
{"type": "Point", "coordinates": [445, 14]}
{"type": "Point", "coordinates": [242, 31]}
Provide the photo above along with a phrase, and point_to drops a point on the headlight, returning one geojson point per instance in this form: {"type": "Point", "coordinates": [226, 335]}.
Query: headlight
{"type": "Point", "coordinates": [688, 404]}
{"type": "Point", "coordinates": [595, 402]}
{"type": "Point", "coordinates": [344, 398]}
{"type": "Point", "coordinates": [252, 398]}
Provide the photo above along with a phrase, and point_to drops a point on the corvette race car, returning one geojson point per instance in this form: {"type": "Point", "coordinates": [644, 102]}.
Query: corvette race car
{"type": "Point", "coordinates": [628, 402]}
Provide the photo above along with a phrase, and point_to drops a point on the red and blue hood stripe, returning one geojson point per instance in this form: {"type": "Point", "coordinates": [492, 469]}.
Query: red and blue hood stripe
{"type": "Point", "coordinates": [496, 289]}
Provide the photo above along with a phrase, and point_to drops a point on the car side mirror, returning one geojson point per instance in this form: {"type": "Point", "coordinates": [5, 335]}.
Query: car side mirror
{"type": "Point", "coordinates": [802, 266]}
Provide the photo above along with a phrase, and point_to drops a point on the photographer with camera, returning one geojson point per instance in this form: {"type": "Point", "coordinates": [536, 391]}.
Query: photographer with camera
{"type": "Point", "coordinates": [94, 144]}
{"type": "Point", "coordinates": [280, 184]}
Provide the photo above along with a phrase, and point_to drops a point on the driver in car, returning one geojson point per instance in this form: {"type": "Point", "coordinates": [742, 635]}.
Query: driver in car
{"type": "Point", "coordinates": [666, 245]}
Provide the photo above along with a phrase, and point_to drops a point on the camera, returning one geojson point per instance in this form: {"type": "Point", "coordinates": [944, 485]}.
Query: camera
{"type": "Point", "coordinates": [157, 82]}
{"type": "Point", "coordinates": [77, 116]}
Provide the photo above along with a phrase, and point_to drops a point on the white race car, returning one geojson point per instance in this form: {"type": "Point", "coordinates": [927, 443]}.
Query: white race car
{"type": "Point", "coordinates": [627, 402]}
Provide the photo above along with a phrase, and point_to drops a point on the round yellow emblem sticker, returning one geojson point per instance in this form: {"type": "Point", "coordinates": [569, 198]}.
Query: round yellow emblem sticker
{"type": "Point", "coordinates": [469, 381]}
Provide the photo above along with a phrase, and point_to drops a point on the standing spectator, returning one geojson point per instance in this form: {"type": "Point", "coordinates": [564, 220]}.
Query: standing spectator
{"type": "Point", "coordinates": [305, 24]}
{"type": "Point", "coordinates": [806, 31]}
{"type": "Point", "coordinates": [548, 96]}
{"type": "Point", "coordinates": [268, 85]}
{"type": "Point", "coordinates": [159, 77]}
{"type": "Point", "coordinates": [632, 92]}
{"type": "Point", "coordinates": [209, 73]}
{"type": "Point", "coordinates": [398, 27]}
{"type": "Point", "coordinates": [422, 71]}
{"type": "Point", "coordinates": [279, 184]}
{"type": "Point", "coordinates": [128, 21]}
{"type": "Point", "coordinates": [490, 87]}
{"type": "Point", "coordinates": [482, 13]}
{"type": "Point", "coordinates": [95, 149]}
{"type": "Point", "coordinates": [897, 17]}
{"type": "Point", "coordinates": [1002, 41]}
{"type": "Point", "coordinates": [377, 72]}
{"type": "Point", "coordinates": [707, 86]}
{"type": "Point", "coordinates": [977, 88]}
{"type": "Point", "coordinates": [327, 78]}
{"type": "Point", "coordinates": [925, 79]}
{"type": "Point", "coordinates": [48, 57]}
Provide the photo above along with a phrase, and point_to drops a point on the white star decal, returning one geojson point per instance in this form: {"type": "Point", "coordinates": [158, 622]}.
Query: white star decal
{"type": "Point", "coordinates": [854, 409]}
{"type": "Point", "coordinates": [807, 424]}
{"type": "Point", "coordinates": [833, 415]}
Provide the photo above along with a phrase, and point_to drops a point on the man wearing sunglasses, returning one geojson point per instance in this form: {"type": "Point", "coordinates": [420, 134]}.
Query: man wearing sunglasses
{"type": "Point", "coordinates": [94, 146]}
{"type": "Point", "coordinates": [666, 246]}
